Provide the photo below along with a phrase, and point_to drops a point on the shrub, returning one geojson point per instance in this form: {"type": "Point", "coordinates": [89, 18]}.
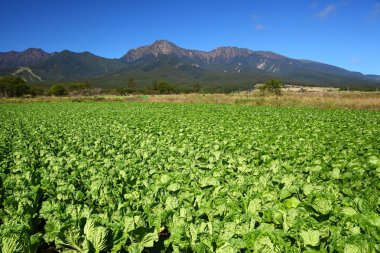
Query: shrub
{"type": "Point", "coordinates": [273, 86]}
{"type": "Point", "coordinates": [57, 90]}
{"type": "Point", "coordinates": [163, 87]}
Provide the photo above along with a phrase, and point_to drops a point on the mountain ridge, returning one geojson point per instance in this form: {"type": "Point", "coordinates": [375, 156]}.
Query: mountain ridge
{"type": "Point", "coordinates": [13, 59]}
{"type": "Point", "coordinates": [167, 47]}
{"type": "Point", "coordinates": [225, 65]}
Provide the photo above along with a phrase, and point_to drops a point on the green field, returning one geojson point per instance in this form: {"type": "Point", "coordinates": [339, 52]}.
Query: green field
{"type": "Point", "coordinates": [162, 177]}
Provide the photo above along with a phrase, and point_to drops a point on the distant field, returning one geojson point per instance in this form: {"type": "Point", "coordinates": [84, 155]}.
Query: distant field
{"type": "Point", "coordinates": [318, 97]}
{"type": "Point", "coordinates": [174, 177]}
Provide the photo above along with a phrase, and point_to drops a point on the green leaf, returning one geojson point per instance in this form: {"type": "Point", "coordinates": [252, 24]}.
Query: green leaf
{"type": "Point", "coordinates": [173, 187]}
{"type": "Point", "coordinates": [129, 224]}
{"type": "Point", "coordinates": [71, 238]}
{"type": "Point", "coordinates": [135, 248]}
{"type": "Point", "coordinates": [374, 219]}
{"type": "Point", "coordinates": [352, 248]}
{"type": "Point", "coordinates": [310, 237]}
{"type": "Point", "coordinates": [348, 211]}
{"type": "Point", "coordinates": [226, 248]}
{"type": "Point", "coordinates": [322, 205]}
{"type": "Point", "coordinates": [292, 202]}
{"type": "Point", "coordinates": [171, 203]}
{"type": "Point", "coordinates": [193, 233]}
{"type": "Point", "coordinates": [144, 237]}
{"type": "Point", "coordinates": [52, 228]}
{"type": "Point", "coordinates": [254, 206]}
{"type": "Point", "coordinates": [335, 173]}
{"type": "Point", "coordinates": [96, 235]}
{"type": "Point", "coordinates": [149, 239]}
{"type": "Point", "coordinates": [34, 242]}
{"type": "Point", "coordinates": [12, 244]}
{"type": "Point", "coordinates": [263, 244]}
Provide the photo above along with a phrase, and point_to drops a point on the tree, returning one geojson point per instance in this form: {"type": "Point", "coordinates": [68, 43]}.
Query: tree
{"type": "Point", "coordinates": [11, 86]}
{"type": "Point", "coordinates": [57, 90]}
{"type": "Point", "coordinates": [273, 86]}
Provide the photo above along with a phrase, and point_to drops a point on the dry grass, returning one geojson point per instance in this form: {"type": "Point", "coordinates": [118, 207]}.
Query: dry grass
{"type": "Point", "coordinates": [296, 88]}
{"type": "Point", "coordinates": [323, 99]}
{"type": "Point", "coordinates": [327, 100]}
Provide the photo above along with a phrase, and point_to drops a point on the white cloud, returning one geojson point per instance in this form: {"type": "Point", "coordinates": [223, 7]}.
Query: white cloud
{"type": "Point", "coordinates": [355, 60]}
{"type": "Point", "coordinates": [255, 17]}
{"type": "Point", "coordinates": [259, 27]}
{"type": "Point", "coordinates": [327, 11]}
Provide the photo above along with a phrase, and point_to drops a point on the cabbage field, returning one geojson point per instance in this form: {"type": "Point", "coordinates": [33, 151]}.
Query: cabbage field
{"type": "Point", "coordinates": [163, 177]}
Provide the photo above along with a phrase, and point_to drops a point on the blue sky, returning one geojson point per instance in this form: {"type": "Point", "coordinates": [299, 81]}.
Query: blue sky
{"type": "Point", "coordinates": [345, 33]}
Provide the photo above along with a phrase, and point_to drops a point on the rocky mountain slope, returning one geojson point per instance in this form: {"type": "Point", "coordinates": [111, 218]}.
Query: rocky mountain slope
{"type": "Point", "coordinates": [14, 59]}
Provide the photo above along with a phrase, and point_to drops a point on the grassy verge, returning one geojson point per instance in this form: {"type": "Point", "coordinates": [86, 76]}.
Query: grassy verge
{"type": "Point", "coordinates": [326, 100]}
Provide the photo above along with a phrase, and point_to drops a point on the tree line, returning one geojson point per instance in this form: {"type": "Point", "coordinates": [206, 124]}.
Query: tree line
{"type": "Point", "coordinates": [11, 86]}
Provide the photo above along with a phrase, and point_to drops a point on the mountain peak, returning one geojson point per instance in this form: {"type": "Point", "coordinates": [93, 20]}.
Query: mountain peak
{"type": "Point", "coordinates": [159, 47]}
{"type": "Point", "coordinates": [162, 47]}
{"type": "Point", "coordinates": [230, 52]}
{"type": "Point", "coordinates": [163, 43]}
{"type": "Point", "coordinates": [15, 59]}
{"type": "Point", "coordinates": [34, 50]}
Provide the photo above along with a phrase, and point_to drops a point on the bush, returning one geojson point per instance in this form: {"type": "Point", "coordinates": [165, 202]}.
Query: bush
{"type": "Point", "coordinates": [36, 91]}
{"type": "Point", "coordinates": [163, 87]}
{"type": "Point", "coordinates": [124, 91]}
{"type": "Point", "coordinates": [272, 86]}
{"type": "Point", "coordinates": [260, 86]}
{"type": "Point", "coordinates": [78, 86]}
{"type": "Point", "coordinates": [57, 90]}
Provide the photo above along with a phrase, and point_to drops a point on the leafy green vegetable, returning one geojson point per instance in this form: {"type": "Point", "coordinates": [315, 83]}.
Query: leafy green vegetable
{"type": "Point", "coordinates": [310, 237]}
{"type": "Point", "coordinates": [134, 177]}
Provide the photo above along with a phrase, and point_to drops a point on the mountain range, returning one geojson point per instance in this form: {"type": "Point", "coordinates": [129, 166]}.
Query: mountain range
{"type": "Point", "coordinates": [227, 67]}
